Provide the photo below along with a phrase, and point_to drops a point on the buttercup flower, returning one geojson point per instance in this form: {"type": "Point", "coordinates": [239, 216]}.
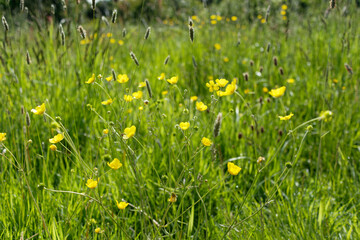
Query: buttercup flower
{"type": "Point", "coordinates": [233, 18]}
{"type": "Point", "coordinates": [326, 115]}
{"type": "Point", "coordinates": [129, 132]}
{"type": "Point", "coordinates": [184, 125]}
{"type": "Point", "coordinates": [162, 76]}
{"type": "Point", "coordinates": [212, 86]}
{"type": "Point", "coordinates": [193, 98]}
{"type": "Point", "coordinates": [115, 164]}
{"type": "Point", "coordinates": [122, 78]}
{"type": "Point", "coordinates": [221, 82]}
{"type": "Point", "coordinates": [56, 138]}
{"type": "Point", "coordinates": [106, 131]}
{"type": "Point", "coordinates": [92, 183]}
{"type": "Point", "coordinates": [207, 142]}
{"type": "Point", "coordinates": [290, 80]}
{"type": "Point", "coordinates": [164, 92]}
{"type": "Point", "coordinates": [2, 137]}
{"type": "Point", "coordinates": [142, 84]}
{"type": "Point", "coordinates": [53, 147]}
{"type": "Point", "coordinates": [91, 79]}
{"type": "Point", "coordinates": [97, 230]}
{"type": "Point", "coordinates": [233, 169]}
{"type": "Point", "coordinates": [265, 89]}
{"type": "Point", "coordinates": [278, 92]}
{"type": "Point", "coordinates": [217, 46]}
{"type": "Point", "coordinates": [173, 80]}
{"type": "Point", "coordinates": [137, 95]}
{"type": "Point", "coordinates": [172, 198]}
{"type": "Point", "coordinates": [128, 98]}
{"type": "Point", "coordinates": [121, 205]}
{"type": "Point", "coordinates": [100, 76]}
{"type": "Point", "coordinates": [107, 102]}
{"type": "Point", "coordinates": [285, 118]}
{"type": "Point", "coordinates": [201, 106]}
{"type": "Point", "coordinates": [109, 78]}
{"type": "Point", "coordinates": [39, 110]}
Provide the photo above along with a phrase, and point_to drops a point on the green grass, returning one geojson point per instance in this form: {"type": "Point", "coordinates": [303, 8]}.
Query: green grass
{"type": "Point", "coordinates": [317, 198]}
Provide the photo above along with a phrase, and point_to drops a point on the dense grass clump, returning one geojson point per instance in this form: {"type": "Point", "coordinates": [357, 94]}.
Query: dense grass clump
{"type": "Point", "coordinates": [208, 127]}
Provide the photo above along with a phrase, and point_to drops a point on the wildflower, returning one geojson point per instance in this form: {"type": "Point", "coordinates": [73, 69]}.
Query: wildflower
{"type": "Point", "coordinates": [212, 86]}
{"type": "Point", "coordinates": [2, 137]}
{"type": "Point", "coordinates": [213, 17]}
{"type": "Point", "coordinates": [263, 20]}
{"type": "Point", "coordinates": [217, 46]}
{"type": "Point", "coordinates": [278, 92]}
{"type": "Point", "coordinates": [142, 84]}
{"type": "Point", "coordinates": [226, 59]}
{"type": "Point", "coordinates": [141, 108]}
{"type": "Point", "coordinates": [326, 115]}
{"type": "Point", "coordinates": [106, 131]}
{"type": "Point", "coordinates": [173, 80]}
{"type": "Point", "coordinates": [121, 205]}
{"type": "Point", "coordinates": [59, 137]}
{"type": "Point", "coordinates": [97, 230]}
{"type": "Point", "coordinates": [335, 81]}
{"type": "Point", "coordinates": [115, 164]}
{"type": "Point", "coordinates": [107, 102]}
{"type": "Point", "coordinates": [92, 183]}
{"type": "Point", "coordinates": [184, 125]}
{"type": "Point", "coordinates": [284, 7]}
{"type": "Point", "coordinates": [290, 80]}
{"type": "Point", "coordinates": [260, 160]}
{"type": "Point", "coordinates": [221, 82]}
{"type": "Point", "coordinates": [92, 79]}
{"type": "Point", "coordinates": [233, 169]}
{"type": "Point", "coordinates": [109, 78]}
{"type": "Point", "coordinates": [137, 95]}
{"type": "Point", "coordinates": [193, 98]}
{"type": "Point", "coordinates": [162, 76]}
{"type": "Point", "coordinates": [283, 12]}
{"type": "Point", "coordinates": [213, 22]}
{"type": "Point", "coordinates": [128, 98]}
{"type": "Point", "coordinates": [172, 198]}
{"type": "Point", "coordinates": [129, 132]}
{"type": "Point", "coordinates": [121, 42]}
{"type": "Point", "coordinates": [112, 41]}
{"type": "Point", "coordinates": [207, 142]}
{"type": "Point", "coordinates": [247, 91]}
{"type": "Point", "coordinates": [285, 118]}
{"type": "Point", "coordinates": [201, 106]}
{"type": "Point", "coordinates": [39, 110]}
{"type": "Point", "coordinates": [53, 147]}
{"type": "Point", "coordinates": [233, 18]}
{"type": "Point", "coordinates": [164, 92]}
{"type": "Point", "coordinates": [100, 76]}
{"type": "Point", "coordinates": [122, 78]}
{"type": "Point", "coordinates": [265, 89]}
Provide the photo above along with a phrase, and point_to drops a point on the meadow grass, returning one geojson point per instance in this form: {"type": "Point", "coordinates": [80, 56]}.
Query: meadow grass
{"type": "Point", "coordinates": [299, 178]}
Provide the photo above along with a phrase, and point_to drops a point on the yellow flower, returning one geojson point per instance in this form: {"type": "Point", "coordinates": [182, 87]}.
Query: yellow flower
{"type": "Point", "coordinates": [142, 84]}
{"type": "Point", "coordinates": [115, 164]}
{"type": "Point", "coordinates": [195, 18]}
{"type": "Point", "coordinates": [57, 138]}
{"type": "Point", "coordinates": [212, 86]}
{"type": "Point", "coordinates": [265, 89]}
{"type": "Point", "coordinates": [2, 137]}
{"type": "Point", "coordinates": [109, 35]}
{"type": "Point", "coordinates": [53, 147]}
{"type": "Point", "coordinates": [122, 78]}
{"type": "Point", "coordinates": [193, 98]}
{"type": "Point", "coordinates": [226, 59]}
{"type": "Point", "coordinates": [213, 17]}
{"type": "Point", "coordinates": [97, 230]}
{"type": "Point", "coordinates": [164, 92]}
{"type": "Point", "coordinates": [285, 118]}
{"type": "Point", "coordinates": [128, 98]}
{"type": "Point", "coordinates": [121, 42]}
{"type": "Point", "coordinates": [207, 142]}
{"type": "Point", "coordinates": [233, 169]}
{"type": "Point", "coordinates": [112, 41]}
{"type": "Point", "coordinates": [284, 18]}
{"type": "Point", "coordinates": [335, 81]}
{"type": "Point", "coordinates": [184, 125]}
{"type": "Point", "coordinates": [106, 131]}
{"type": "Point", "coordinates": [121, 205]}
{"type": "Point", "coordinates": [221, 82]}
{"type": "Point", "coordinates": [233, 18]}
{"type": "Point", "coordinates": [107, 102]}
{"type": "Point", "coordinates": [92, 79]}
{"type": "Point", "coordinates": [290, 80]}
{"type": "Point", "coordinates": [172, 198]}
{"type": "Point", "coordinates": [230, 89]}
{"type": "Point", "coordinates": [246, 91]}
{"type": "Point", "coordinates": [283, 12]}
{"type": "Point", "coordinates": [263, 20]}
{"type": "Point", "coordinates": [92, 183]}
{"type": "Point", "coordinates": [129, 132]}
{"type": "Point", "coordinates": [284, 7]}
{"type": "Point", "coordinates": [213, 22]}
{"type": "Point", "coordinates": [259, 17]}
{"type": "Point", "coordinates": [217, 46]}
{"type": "Point", "coordinates": [173, 80]}
{"type": "Point", "coordinates": [137, 95]}
{"type": "Point", "coordinates": [278, 92]}
{"type": "Point", "coordinates": [162, 76]}
{"type": "Point", "coordinates": [109, 78]}
{"type": "Point", "coordinates": [39, 110]}
{"type": "Point", "coordinates": [326, 115]}
{"type": "Point", "coordinates": [201, 106]}
{"type": "Point", "coordinates": [141, 108]}
{"type": "Point", "coordinates": [219, 18]}
{"type": "Point", "coordinates": [100, 76]}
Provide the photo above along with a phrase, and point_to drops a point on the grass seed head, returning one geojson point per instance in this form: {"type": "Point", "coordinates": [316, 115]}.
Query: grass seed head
{"type": "Point", "coordinates": [281, 70]}
{"type": "Point", "coordinates": [5, 24]}
{"type": "Point", "coordinates": [194, 62]}
{"type": "Point", "coordinates": [124, 32]}
{"type": "Point", "coordinates": [82, 32]}
{"type": "Point", "coordinates": [167, 60]}
{"type": "Point", "coordinates": [132, 55]}
{"type": "Point", "coordinates": [114, 16]}
{"type": "Point", "coordinates": [28, 59]}
{"type": "Point", "coordinates": [147, 33]}
{"type": "Point", "coordinates": [332, 4]}
{"type": "Point", "coordinates": [191, 33]}
{"type": "Point", "coordinates": [53, 9]}
{"type": "Point", "coordinates": [148, 87]}
{"type": "Point", "coordinates": [275, 61]}
{"type": "Point", "coordinates": [104, 19]}
{"type": "Point", "coordinates": [22, 5]}
{"type": "Point", "coordinates": [113, 74]}
{"type": "Point", "coordinates": [217, 125]}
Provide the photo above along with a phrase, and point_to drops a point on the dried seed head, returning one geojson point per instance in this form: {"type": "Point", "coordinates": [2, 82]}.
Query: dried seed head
{"type": "Point", "coordinates": [348, 68]}
{"type": "Point", "coordinates": [132, 55]}
{"type": "Point", "coordinates": [240, 136]}
{"type": "Point", "coordinates": [260, 100]}
{"type": "Point", "coordinates": [124, 32]}
{"type": "Point", "coordinates": [114, 16]}
{"type": "Point", "coordinates": [251, 63]}
{"type": "Point", "coordinates": [217, 125]}
{"type": "Point", "coordinates": [62, 34]}
{"type": "Point", "coordinates": [191, 23]}
{"type": "Point", "coordinates": [268, 47]}
{"type": "Point", "coordinates": [261, 69]}
{"type": "Point", "coordinates": [26, 10]}
{"type": "Point", "coordinates": [147, 33]}
{"type": "Point", "coordinates": [104, 19]}
{"type": "Point", "coordinates": [275, 61]}
{"type": "Point", "coordinates": [332, 4]}
{"type": "Point", "coordinates": [82, 32]}
{"type": "Point", "coordinates": [267, 13]}
{"type": "Point", "coordinates": [113, 74]}
{"type": "Point", "coordinates": [28, 59]}
{"type": "Point", "coordinates": [53, 9]}
{"type": "Point", "coordinates": [167, 60]}
{"type": "Point", "coordinates": [194, 62]}
{"type": "Point", "coordinates": [63, 4]}
{"type": "Point", "coordinates": [22, 5]}
{"type": "Point", "coordinates": [5, 24]}
{"type": "Point", "coordinates": [148, 88]}
{"type": "Point", "coordinates": [191, 33]}
{"type": "Point", "coordinates": [280, 133]}
{"type": "Point", "coordinates": [28, 122]}
{"type": "Point", "coordinates": [93, 4]}
{"type": "Point", "coordinates": [146, 102]}
{"type": "Point", "coordinates": [246, 76]}
{"type": "Point", "coordinates": [262, 130]}
{"type": "Point", "coordinates": [281, 70]}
